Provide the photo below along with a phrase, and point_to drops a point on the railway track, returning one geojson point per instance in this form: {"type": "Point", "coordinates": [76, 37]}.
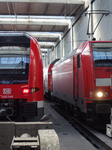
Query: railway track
{"type": "Point", "coordinates": [97, 138]}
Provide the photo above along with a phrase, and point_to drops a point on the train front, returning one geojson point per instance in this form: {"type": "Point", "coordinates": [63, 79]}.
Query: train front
{"type": "Point", "coordinates": [21, 78]}
{"type": "Point", "coordinates": [99, 102]}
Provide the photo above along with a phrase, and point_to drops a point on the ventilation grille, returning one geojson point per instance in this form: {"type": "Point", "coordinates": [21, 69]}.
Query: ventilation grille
{"type": "Point", "coordinates": [30, 109]}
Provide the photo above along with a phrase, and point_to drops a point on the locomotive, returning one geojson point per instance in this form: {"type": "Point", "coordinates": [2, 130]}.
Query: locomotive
{"type": "Point", "coordinates": [21, 78]}
{"type": "Point", "coordinates": [82, 82]}
{"type": "Point", "coordinates": [47, 79]}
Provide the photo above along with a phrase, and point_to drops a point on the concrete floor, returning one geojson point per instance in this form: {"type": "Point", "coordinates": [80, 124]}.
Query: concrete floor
{"type": "Point", "coordinates": [70, 139]}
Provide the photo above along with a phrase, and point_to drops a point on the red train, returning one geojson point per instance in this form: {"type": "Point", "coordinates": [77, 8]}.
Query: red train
{"type": "Point", "coordinates": [47, 79]}
{"type": "Point", "coordinates": [21, 78]}
{"type": "Point", "coordinates": [83, 81]}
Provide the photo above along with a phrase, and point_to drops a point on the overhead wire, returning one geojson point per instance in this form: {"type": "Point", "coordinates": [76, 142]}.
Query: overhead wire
{"type": "Point", "coordinates": [95, 21]}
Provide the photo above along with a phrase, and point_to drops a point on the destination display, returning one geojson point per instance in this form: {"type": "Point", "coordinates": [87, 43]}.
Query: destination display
{"type": "Point", "coordinates": [101, 45]}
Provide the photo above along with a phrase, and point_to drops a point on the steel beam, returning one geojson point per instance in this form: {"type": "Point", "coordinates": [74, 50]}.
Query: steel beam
{"type": "Point", "coordinates": [47, 1]}
{"type": "Point", "coordinates": [44, 50]}
{"type": "Point", "coordinates": [35, 21]}
{"type": "Point", "coordinates": [43, 54]}
{"type": "Point", "coordinates": [46, 35]}
{"type": "Point", "coordinates": [46, 44]}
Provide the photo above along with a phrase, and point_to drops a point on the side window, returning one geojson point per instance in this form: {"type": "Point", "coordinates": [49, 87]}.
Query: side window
{"type": "Point", "coordinates": [78, 61]}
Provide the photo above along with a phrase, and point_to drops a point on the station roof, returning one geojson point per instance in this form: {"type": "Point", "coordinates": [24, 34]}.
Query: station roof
{"type": "Point", "coordinates": [40, 7]}
{"type": "Point", "coordinates": [46, 19]}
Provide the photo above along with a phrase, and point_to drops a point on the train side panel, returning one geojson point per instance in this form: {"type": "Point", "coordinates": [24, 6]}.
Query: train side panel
{"type": "Point", "coordinates": [85, 77]}
{"type": "Point", "coordinates": [36, 72]}
{"type": "Point", "coordinates": [63, 80]}
{"type": "Point", "coordinates": [47, 78]}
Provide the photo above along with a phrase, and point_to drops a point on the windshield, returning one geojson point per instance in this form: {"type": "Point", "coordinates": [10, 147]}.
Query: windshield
{"type": "Point", "coordinates": [102, 54]}
{"type": "Point", "coordinates": [14, 64]}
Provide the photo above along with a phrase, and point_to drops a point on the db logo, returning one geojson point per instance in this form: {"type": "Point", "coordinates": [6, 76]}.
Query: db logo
{"type": "Point", "coordinates": [6, 91]}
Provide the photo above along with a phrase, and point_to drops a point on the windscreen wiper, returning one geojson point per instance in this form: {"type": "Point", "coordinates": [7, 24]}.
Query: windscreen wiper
{"type": "Point", "coordinates": [12, 73]}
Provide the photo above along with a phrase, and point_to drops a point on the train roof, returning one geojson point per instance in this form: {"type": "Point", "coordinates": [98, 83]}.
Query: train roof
{"type": "Point", "coordinates": [55, 61]}
{"type": "Point", "coordinates": [47, 67]}
{"type": "Point", "coordinates": [65, 57]}
{"type": "Point", "coordinates": [73, 52]}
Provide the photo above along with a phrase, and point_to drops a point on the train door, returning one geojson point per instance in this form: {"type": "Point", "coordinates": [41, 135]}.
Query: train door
{"type": "Point", "coordinates": [75, 78]}
{"type": "Point", "coordinates": [77, 65]}
{"type": "Point", "coordinates": [51, 84]}
{"type": "Point", "coordinates": [75, 84]}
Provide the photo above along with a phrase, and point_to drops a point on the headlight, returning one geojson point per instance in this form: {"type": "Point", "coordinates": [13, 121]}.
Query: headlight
{"type": "Point", "coordinates": [105, 94]}
{"type": "Point", "coordinates": [100, 94]}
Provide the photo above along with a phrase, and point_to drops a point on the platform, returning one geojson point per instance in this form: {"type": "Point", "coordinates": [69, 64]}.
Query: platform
{"type": "Point", "coordinates": [70, 139]}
